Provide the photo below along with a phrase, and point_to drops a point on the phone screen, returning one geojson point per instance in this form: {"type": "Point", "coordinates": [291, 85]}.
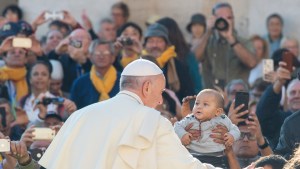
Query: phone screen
{"type": "Point", "coordinates": [288, 59]}
{"type": "Point", "coordinates": [242, 97]}
{"type": "Point", "coordinates": [3, 116]}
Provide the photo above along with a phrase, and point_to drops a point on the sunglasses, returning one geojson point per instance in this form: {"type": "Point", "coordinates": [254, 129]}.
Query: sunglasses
{"type": "Point", "coordinates": [250, 136]}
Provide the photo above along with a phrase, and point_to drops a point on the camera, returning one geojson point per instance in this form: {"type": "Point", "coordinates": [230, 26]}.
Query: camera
{"type": "Point", "coordinates": [221, 24]}
{"type": "Point", "coordinates": [37, 153]}
{"type": "Point", "coordinates": [76, 43]}
{"type": "Point", "coordinates": [3, 116]}
{"type": "Point", "coordinates": [126, 42]}
{"type": "Point", "coordinates": [56, 100]}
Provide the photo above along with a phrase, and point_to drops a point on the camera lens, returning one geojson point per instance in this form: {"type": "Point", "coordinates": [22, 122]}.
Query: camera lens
{"type": "Point", "coordinates": [221, 24]}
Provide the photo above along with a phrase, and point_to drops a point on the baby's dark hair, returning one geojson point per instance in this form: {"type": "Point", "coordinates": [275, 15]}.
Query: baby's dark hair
{"type": "Point", "coordinates": [219, 97]}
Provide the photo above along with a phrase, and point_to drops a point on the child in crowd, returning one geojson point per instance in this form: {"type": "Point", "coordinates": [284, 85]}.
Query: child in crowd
{"type": "Point", "coordinates": [207, 113]}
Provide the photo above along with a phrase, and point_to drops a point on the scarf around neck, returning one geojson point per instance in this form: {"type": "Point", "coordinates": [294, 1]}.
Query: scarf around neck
{"type": "Point", "coordinates": [105, 85]}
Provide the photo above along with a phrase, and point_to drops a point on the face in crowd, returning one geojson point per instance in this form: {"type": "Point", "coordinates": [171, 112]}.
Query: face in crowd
{"type": "Point", "coordinates": [107, 31]}
{"type": "Point", "coordinates": [246, 146]}
{"type": "Point", "coordinates": [16, 58]}
{"type": "Point", "coordinates": [293, 95]}
{"type": "Point", "coordinates": [79, 54]}
{"type": "Point", "coordinates": [40, 77]}
{"type": "Point", "coordinates": [155, 46]}
{"type": "Point", "coordinates": [102, 57]}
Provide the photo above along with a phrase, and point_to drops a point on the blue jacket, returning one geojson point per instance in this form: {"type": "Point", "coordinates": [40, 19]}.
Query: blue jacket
{"type": "Point", "coordinates": [84, 93]}
{"type": "Point", "coordinates": [270, 116]}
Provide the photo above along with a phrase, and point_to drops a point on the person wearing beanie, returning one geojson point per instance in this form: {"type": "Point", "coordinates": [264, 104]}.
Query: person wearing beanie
{"type": "Point", "coordinates": [157, 44]}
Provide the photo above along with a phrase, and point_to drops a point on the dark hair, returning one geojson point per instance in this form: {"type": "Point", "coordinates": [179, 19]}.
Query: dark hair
{"type": "Point", "coordinates": [176, 37]}
{"type": "Point", "coordinates": [275, 15]}
{"type": "Point", "coordinates": [15, 9]}
{"type": "Point", "coordinates": [220, 5]}
{"type": "Point", "coordinates": [123, 7]}
{"type": "Point", "coordinates": [60, 25]}
{"type": "Point", "coordinates": [276, 161]}
{"type": "Point", "coordinates": [130, 24]}
{"type": "Point", "coordinates": [260, 84]}
{"type": "Point", "coordinates": [40, 62]}
{"type": "Point", "coordinates": [49, 68]}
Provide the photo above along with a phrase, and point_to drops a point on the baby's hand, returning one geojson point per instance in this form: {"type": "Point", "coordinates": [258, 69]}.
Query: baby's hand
{"type": "Point", "coordinates": [228, 139]}
{"type": "Point", "coordinates": [186, 139]}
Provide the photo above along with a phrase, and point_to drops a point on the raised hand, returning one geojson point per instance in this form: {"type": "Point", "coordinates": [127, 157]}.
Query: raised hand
{"type": "Point", "coordinates": [185, 107]}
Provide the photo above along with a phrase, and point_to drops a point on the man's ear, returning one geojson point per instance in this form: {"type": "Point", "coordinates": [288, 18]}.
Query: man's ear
{"type": "Point", "coordinates": [146, 88]}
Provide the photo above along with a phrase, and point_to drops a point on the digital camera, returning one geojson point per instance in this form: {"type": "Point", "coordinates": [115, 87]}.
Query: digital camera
{"type": "Point", "coordinates": [126, 42]}
{"type": "Point", "coordinates": [221, 24]}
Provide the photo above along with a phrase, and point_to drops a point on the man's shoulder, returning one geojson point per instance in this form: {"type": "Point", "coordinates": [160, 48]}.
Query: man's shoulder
{"type": "Point", "coordinates": [83, 79]}
{"type": "Point", "coordinates": [292, 119]}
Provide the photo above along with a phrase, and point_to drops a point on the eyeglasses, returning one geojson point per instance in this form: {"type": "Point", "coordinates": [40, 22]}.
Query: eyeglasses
{"type": "Point", "coordinates": [104, 53]}
{"type": "Point", "coordinates": [250, 136]}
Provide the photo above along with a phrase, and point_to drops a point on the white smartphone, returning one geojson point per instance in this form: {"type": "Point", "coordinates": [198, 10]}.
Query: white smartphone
{"type": "Point", "coordinates": [268, 66]}
{"type": "Point", "coordinates": [43, 134]}
{"type": "Point", "coordinates": [54, 15]}
{"type": "Point", "coordinates": [19, 42]}
{"type": "Point", "coordinates": [4, 145]}
{"type": "Point", "coordinates": [58, 15]}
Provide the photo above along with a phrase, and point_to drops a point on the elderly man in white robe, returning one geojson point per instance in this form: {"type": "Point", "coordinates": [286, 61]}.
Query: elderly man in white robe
{"type": "Point", "coordinates": [124, 132]}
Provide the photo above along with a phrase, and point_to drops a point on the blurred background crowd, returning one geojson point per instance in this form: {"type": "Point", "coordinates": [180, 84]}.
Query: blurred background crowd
{"type": "Point", "coordinates": [45, 78]}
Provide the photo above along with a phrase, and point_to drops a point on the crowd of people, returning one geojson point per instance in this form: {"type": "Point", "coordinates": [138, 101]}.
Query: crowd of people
{"type": "Point", "coordinates": [44, 81]}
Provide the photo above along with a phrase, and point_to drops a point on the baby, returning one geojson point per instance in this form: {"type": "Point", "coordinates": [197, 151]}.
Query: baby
{"type": "Point", "coordinates": [206, 114]}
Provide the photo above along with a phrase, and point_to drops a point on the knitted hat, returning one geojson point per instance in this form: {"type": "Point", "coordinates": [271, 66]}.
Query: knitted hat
{"type": "Point", "coordinates": [157, 30]}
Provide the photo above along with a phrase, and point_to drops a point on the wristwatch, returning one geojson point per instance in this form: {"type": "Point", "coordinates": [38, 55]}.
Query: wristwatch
{"type": "Point", "coordinates": [265, 145]}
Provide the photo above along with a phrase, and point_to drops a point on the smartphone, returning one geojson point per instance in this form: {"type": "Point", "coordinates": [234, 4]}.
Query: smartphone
{"type": "Point", "coordinates": [268, 66]}
{"type": "Point", "coordinates": [55, 15]}
{"type": "Point", "coordinates": [43, 134]}
{"type": "Point", "coordinates": [19, 42]}
{"type": "Point", "coordinates": [192, 103]}
{"type": "Point", "coordinates": [242, 97]}
{"type": "Point", "coordinates": [288, 58]}
{"type": "Point", "coordinates": [3, 116]}
{"type": "Point", "coordinates": [4, 145]}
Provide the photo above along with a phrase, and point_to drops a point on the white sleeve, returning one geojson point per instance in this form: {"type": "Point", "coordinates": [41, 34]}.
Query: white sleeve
{"type": "Point", "coordinates": [179, 127]}
{"type": "Point", "coordinates": [233, 129]}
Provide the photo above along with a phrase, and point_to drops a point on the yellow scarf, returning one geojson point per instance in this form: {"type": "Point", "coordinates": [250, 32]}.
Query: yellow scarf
{"type": "Point", "coordinates": [165, 56]}
{"type": "Point", "coordinates": [104, 86]}
{"type": "Point", "coordinates": [18, 77]}
{"type": "Point", "coordinates": [126, 60]}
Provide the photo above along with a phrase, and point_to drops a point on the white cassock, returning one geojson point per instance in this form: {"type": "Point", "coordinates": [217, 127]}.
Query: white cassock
{"type": "Point", "coordinates": [120, 133]}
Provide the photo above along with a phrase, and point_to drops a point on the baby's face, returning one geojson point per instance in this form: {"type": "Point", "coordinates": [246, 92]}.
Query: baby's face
{"type": "Point", "coordinates": [205, 107]}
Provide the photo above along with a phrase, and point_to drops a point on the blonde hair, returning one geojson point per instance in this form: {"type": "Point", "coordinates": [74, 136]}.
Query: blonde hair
{"type": "Point", "coordinates": [294, 163]}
